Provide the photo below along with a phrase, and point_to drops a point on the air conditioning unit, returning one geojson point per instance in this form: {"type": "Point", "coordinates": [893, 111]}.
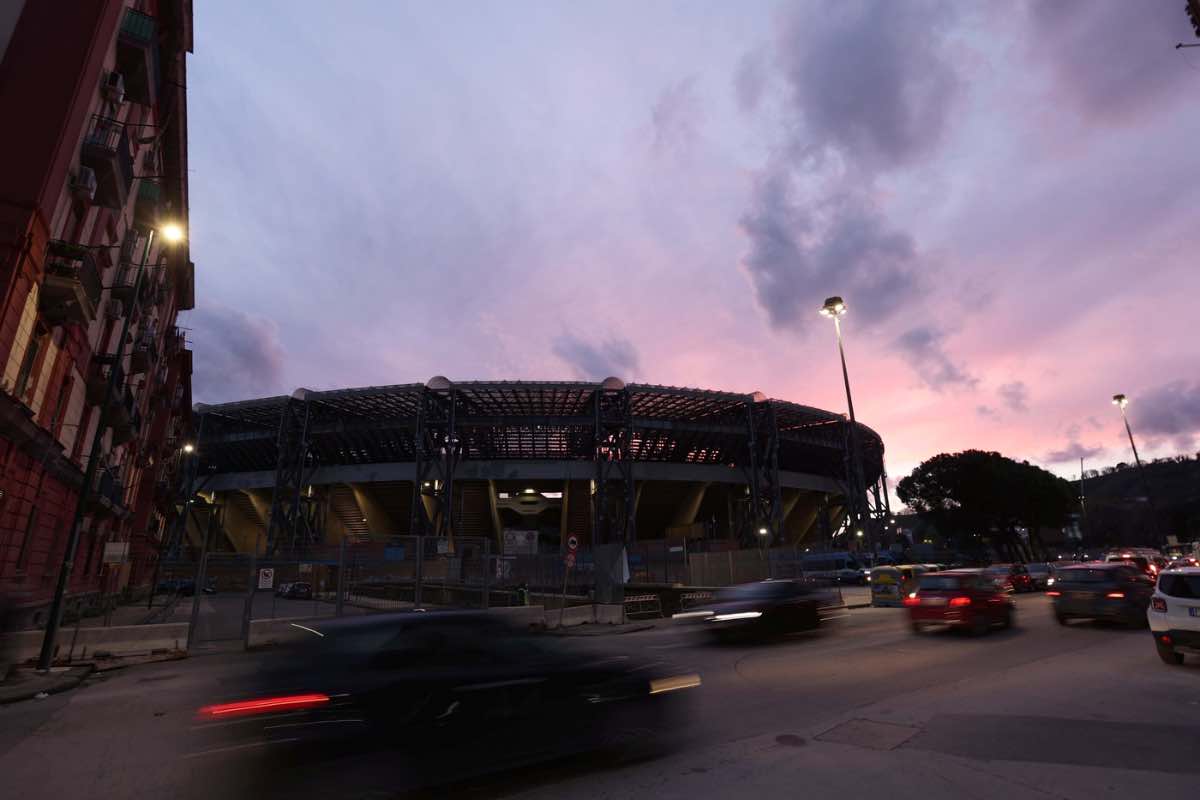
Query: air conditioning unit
{"type": "Point", "coordinates": [83, 184]}
{"type": "Point", "coordinates": [115, 309]}
{"type": "Point", "coordinates": [113, 88]}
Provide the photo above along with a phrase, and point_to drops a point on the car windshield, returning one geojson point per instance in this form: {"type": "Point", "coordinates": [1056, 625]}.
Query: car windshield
{"type": "Point", "coordinates": [1185, 586]}
{"type": "Point", "coordinates": [1085, 576]}
{"type": "Point", "coordinates": [1039, 568]}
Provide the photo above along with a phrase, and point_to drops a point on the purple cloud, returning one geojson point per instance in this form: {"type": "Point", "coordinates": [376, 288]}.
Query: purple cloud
{"type": "Point", "coordinates": [1172, 409]}
{"type": "Point", "coordinates": [237, 354]}
{"type": "Point", "coordinates": [1015, 396]}
{"type": "Point", "coordinates": [596, 361]}
{"type": "Point", "coordinates": [922, 348]}
{"type": "Point", "coordinates": [1072, 452]}
{"type": "Point", "coordinates": [676, 117]}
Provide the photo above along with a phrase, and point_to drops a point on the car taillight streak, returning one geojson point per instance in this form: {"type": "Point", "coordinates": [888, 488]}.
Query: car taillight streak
{"type": "Point", "coordinates": [265, 705]}
{"type": "Point", "coordinates": [1115, 595]}
{"type": "Point", "coordinates": [1158, 604]}
{"type": "Point", "coordinates": [912, 600]}
{"type": "Point", "coordinates": [959, 602]}
{"type": "Point", "coordinates": [1053, 594]}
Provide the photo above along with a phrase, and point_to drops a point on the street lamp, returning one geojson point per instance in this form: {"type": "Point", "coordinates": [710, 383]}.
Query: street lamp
{"type": "Point", "coordinates": [1120, 401]}
{"type": "Point", "coordinates": [189, 448]}
{"type": "Point", "coordinates": [171, 233]}
{"type": "Point", "coordinates": [834, 308]}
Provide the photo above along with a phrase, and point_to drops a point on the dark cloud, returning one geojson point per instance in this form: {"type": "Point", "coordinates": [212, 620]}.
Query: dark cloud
{"type": "Point", "coordinates": [749, 82]}
{"type": "Point", "coordinates": [1072, 452]}
{"type": "Point", "coordinates": [1169, 410]}
{"type": "Point", "coordinates": [1015, 396]}
{"type": "Point", "coordinates": [1112, 60]}
{"type": "Point", "coordinates": [596, 361]}
{"type": "Point", "coordinates": [922, 348]}
{"type": "Point", "coordinates": [236, 355]}
{"type": "Point", "coordinates": [986, 411]}
{"type": "Point", "coordinates": [871, 79]}
{"type": "Point", "coordinates": [676, 117]}
{"type": "Point", "coordinates": [798, 256]}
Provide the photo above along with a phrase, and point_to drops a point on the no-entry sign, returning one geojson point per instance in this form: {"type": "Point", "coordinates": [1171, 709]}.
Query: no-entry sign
{"type": "Point", "coordinates": [266, 577]}
{"type": "Point", "coordinates": [572, 543]}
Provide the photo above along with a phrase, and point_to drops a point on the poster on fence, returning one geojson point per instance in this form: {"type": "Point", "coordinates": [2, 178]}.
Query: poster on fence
{"type": "Point", "coordinates": [520, 543]}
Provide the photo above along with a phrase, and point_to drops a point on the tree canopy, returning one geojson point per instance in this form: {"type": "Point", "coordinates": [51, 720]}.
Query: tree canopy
{"type": "Point", "coordinates": [984, 494]}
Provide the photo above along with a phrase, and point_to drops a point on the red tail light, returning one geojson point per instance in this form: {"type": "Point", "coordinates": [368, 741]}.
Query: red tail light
{"type": "Point", "coordinates": [1158, 604]}
{"type": "Point", "coordinates": [1053, 594]}
{"type": "Point", "coordinates": [265, 705]}
{"type": "Point", "coordinates": [1165, 638]}
{"type": "Point", "coordinates": [959, 602]}
{"type": "Point", "coordinates": [1115, 595]}
{"type": "Point", "coordinates": [912, 601]}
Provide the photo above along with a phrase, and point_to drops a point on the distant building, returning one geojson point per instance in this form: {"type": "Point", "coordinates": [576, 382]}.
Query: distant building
{"type": "Point", "coordinates": [93, 171]}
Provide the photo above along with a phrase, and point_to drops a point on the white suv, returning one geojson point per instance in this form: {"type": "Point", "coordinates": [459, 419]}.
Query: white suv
{"type": "Point", "coordinates": [1174, 614]}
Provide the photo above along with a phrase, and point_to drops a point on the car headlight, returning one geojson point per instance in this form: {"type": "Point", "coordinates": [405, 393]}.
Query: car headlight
{"type": "Point", "coordinates": [674, 683]}
{"type": "Point", "coordinates": [1049, 581]}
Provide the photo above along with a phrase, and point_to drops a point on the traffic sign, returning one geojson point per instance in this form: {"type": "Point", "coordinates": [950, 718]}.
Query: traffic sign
{"type": "Point", "coordinates": [570, 560]}
{"type": "Point", "coordinates": [572, 543]}
{"type": "Point", "coordinates": [266, 578]}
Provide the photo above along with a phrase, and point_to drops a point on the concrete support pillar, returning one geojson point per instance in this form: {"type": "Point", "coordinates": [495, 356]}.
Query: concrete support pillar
{"type": "Point", "coordinates": [497, 527]}
{"type": "Point", "coordinates": [686, 513]}
{"type": "Point", "coordinates": [378, 520]}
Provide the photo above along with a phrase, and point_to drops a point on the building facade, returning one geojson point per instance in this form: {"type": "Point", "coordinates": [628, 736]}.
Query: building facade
{"type": "Point", "coordinates": [95, 266]}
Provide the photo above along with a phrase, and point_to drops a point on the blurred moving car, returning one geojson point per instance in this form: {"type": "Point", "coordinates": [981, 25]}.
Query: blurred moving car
{"type": "Point", "coordinates": [1183, 562]}
{"type": "Point", "coordinates": [426, 699]}
{"type": "Point", "coordinates": [1107, 590]}
{"type": "Point", "coordinates": [770, 608]}
{"type": "Point", "coordinates": [1041, 574]}
{"type": "Point", "coordinates": [891, 584]}
{"type": "Point", "coordinates": [961, 598]}
{"type": "Point", "coordinates": [1014, 576]}
{"type": "Point", "coordinates": [1174, 614]}
{"type": "Point", "coordinates": [1143, 561]}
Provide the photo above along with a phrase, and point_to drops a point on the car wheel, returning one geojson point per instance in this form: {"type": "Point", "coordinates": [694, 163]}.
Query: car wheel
{"type": "Point", "coordinates": [1062, 619]}
{"type": "Point", "coordinates": [1168, 655]}
{"type": "Point", "coordinates": [918, 628]}
{"type": "Point", "coordinates": [980, 625]}
{"type": "Point", "coordinates": [1009, 619]}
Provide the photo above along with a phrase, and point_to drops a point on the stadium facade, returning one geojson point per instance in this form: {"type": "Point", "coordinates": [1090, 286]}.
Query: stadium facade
{"type": "Point", "coordinates": [527, 465]}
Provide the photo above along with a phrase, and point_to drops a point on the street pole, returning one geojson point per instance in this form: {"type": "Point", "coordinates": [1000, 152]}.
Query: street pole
{"type": "Point", "coordinates": [858, 489]}
{"type": "Point", "coordinates": [54, 621]}
{"type": "Point", "coordinates": [1120, 401]}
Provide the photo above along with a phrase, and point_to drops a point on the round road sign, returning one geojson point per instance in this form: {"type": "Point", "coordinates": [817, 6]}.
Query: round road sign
{"type": "Point", "coordinates": [572, 543]}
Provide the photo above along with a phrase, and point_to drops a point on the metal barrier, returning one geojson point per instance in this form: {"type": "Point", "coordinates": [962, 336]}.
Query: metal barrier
{"type": "Point", "coordinates": [643, 605]}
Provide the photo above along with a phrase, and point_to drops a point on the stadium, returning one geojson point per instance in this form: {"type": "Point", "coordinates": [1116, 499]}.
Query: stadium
{"type": "Point", "coordinates": [527, 465]}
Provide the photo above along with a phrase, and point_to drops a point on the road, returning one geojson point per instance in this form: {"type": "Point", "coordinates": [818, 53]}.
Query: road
{"type": "Point", "coordinates": [1043, 711]}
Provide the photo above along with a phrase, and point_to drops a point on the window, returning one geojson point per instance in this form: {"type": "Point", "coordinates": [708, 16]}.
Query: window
{"type": "Point", "coordinates": [31, 354]}
{"type": "Point", "coordinates": [1185, 586]}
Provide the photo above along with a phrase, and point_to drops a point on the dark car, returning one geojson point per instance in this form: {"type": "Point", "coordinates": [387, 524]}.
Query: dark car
{"type": "Point", "coordinates": [769, 608]}
{"type": "Point", "coordinates": [1042, 575]}
{"type": "Point", "coordinates": [1015, 577]}
{"type": "Point", "coordinates": [1144, 563]}
{"type": "Point", "coordinates": [1108, 590]}
{"type": "Point", "coordinates": [970, 599]}
{"type": "Point", "coordinates": [299, 591]}
{"type": "Point", "coordinates": [187, 588]}
{"type": "Point", "coordinates": [428, 698]}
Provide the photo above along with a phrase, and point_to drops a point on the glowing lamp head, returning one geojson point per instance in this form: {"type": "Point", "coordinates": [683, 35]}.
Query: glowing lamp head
{"type": "Point", "coordinates": [1120, 400]}
{"type": "Point", "coordinates": [762, 531]}
{"type": "Point", "coordinates": [834, 307]}
{"type": "Point", "coordinates": [171, 232]}
{"type": "Point", "coordinates": [189, 448]}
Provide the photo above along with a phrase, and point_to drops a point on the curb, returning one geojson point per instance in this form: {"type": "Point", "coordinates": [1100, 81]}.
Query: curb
{"type": "Point", "coordinates": [634, 629]}
{"type": "Point", "coordinates": [67, 681]}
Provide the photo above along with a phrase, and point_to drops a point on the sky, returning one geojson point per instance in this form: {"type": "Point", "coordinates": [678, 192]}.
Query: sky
{"type": "Point", "coordinates": [1005, 195]}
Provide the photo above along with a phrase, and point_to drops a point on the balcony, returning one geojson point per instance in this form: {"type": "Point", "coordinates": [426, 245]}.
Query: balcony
{"type": "Point", "coordinates": [137, 56]}
{"type": "Point", "coordinates": [144, 354]}
{"type": "Point", "coordinates": [146, 209]}
{"type": "Point", "coordinates": [123, 281]}
{"type": "Point", "coordinates": [123, 418]}
{"type": "Point", "coordinates": [106, 151]}
{"type": "Point", "coordinates": [107, 492]}
{"type": "Point", "coordinates": [97, 379]}
{"type": "Point", "coordinates": [71, 289]}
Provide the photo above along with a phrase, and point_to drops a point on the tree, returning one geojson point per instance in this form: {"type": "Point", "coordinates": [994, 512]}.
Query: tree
{"type": "Point", "coordinates": [984, 496]}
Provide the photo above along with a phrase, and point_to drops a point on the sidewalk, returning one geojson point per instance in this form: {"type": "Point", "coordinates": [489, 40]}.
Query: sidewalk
{"type": "Point", "coordinates": [24, 684]}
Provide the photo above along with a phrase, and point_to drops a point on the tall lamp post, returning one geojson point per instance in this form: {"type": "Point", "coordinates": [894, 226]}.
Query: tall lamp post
{"type": "Point", "coordinates": [1120, 401]}
{"type": "Point", "coordinates": [172, 233]}
{"type": "Point", "coordinates": [834, 308]}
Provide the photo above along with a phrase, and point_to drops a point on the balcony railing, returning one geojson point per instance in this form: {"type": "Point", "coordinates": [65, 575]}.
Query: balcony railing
{"type": "Point", "coordinates": [71, 290]}
{"type": "Point", "coordinates": [149, 201]}
{"type": "Point", "coordinates": [123, 280]}
{"type": "Point", "coordinates": [137, 56]}
{"type": "Point", "coordinates": [106, 151]}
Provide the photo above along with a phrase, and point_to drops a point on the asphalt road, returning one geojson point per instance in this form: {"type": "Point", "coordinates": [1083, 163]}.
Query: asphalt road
{"type": "Point", "coordinates": [862, 708]}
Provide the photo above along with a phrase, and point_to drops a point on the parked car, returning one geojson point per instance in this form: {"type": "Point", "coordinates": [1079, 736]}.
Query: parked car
{"type": "Point", "coordinates": [960, 598]}
{"type": "Point", "coordinates": [1042, 575]}
{"type": "Point", "coordinates": [769, 608]}
{"type": "Point", "coordinates": [1108, 590]}
{"type": "Point", "coordinates": [1174, 614]}
{"type": "Point", "coordinates": [187, 587]}
{"type": "Point", "coordinates": [421, 699]}
{"type": "Point", "coordinates": [299, 591]}
{"type": "Point", "coordinates": [1014, 576]}
{"type": "Point", "coordinates": [281, 590]}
